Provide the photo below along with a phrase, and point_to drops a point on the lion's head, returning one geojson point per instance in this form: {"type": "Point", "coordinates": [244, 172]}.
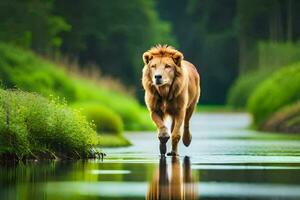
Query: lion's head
{"type": "Point", "coordinates": [162, 66]}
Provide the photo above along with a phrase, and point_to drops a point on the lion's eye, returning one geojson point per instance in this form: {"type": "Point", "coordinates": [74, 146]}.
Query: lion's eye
{"type": "Point", "coordinates": [153, 66]}
{"type": "Point", "coordinates": [167, 66]}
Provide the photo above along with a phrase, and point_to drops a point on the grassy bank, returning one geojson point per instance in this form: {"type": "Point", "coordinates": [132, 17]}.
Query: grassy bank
{"type": "Point", "coordinates": [34, 127]}
{"type": "Point", "coordinates": [279, 90]}
{"type": "Point", "coordinates": [270, 58]}
{"type": "Point", "coordinates": [111, 110]}
{"type": "Point", "coordinates": [270, 92]}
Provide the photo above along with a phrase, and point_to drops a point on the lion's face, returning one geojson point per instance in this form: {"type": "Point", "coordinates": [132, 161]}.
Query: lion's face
{"type": "Point", "coordinates": [162, 70]}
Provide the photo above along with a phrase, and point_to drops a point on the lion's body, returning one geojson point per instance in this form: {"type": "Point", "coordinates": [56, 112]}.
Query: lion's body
{"type": "Point", "coordinates": [177, 98]}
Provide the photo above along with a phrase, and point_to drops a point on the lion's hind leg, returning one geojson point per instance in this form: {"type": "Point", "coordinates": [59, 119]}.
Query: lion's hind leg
{"type": "Point", "coordinates": [187, 137]}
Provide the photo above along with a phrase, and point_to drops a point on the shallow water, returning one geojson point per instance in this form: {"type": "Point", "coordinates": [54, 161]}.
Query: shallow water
{"type": "Point", "coordinates": [224, 161]}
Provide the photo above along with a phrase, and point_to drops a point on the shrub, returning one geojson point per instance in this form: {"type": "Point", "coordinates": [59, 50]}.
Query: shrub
{"type": "Point", "coordinates": [106, 120]}
{"type": "Point", "coordinates": [280, 89]}
{"type": "Point", "coordinates": [270, 57]}
{"type": "Point", "coordinates": [133, 115]}
{"type": "Point", "coordinates": [243, 88]}
{"type": "Point", "coordinates": [31, 125]}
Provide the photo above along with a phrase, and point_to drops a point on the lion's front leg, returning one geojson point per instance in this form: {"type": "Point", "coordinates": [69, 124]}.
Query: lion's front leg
{"type": "Point", "coordinates": [178, 120]}
{"type": "Point", "coordinates": [163, 134]}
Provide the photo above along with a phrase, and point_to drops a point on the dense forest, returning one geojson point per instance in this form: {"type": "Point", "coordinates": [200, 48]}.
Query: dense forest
{"type": "Point", "coordinates": [222, 38]}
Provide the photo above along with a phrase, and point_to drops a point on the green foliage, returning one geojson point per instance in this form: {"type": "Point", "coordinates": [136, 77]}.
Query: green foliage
{"type": "Point", "coordinates": [31, 126]}
{"type": "Point", "coordinates": [108, 140]}
{"type": "Point", "coordinates": [113, 34]}
{"type": "Point", "coordinates": [106, 120]}
{"type": "Point", "coordinates": [271, 56]}
{"type": "Point", "coordinates": [32, 24]}
{"type": "Point", "coordinates": [243, 87]}
{"type": "Point", "coordinates": [280, 89]}
{"type": "Point", "coordinates": [133, 115]}
{"type": "Point", "coordinates": [24, 70]}
{"type": "Point", "coordinates": [207, 33]}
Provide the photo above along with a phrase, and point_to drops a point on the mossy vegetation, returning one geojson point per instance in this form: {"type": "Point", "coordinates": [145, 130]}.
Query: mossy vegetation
{"type": "Point", "coordinates": [134, 116]}
{"type": "Point", "coordinates": [279, 90]}
{"type": "Point", "coordinates": [243, 87]}
{"type": "Point", "coordinates": [34, 127]}
{"type": "Point", "coordinates": [109, 140]}
{"type": "Point", "coordinates": [105, 120]}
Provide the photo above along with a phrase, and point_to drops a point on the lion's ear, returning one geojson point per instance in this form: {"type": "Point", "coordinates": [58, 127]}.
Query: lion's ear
{"type": "Point", "coordinates": [177, 58]}
{"type": "Point", "coordinates": [147, 57]}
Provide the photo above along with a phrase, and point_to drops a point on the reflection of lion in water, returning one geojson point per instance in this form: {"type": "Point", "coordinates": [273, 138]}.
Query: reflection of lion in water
{"type": "Point", "coordinates": [172, 87]}
{"type": "Point", "coordinates": [180, 184]}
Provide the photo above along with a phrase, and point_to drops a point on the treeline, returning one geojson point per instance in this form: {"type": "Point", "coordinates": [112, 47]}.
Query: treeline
{"type": "Point", "coordinates": [223, 37]}
{"type": "Point", "coordinates": [109, 34]}
{"type": "Point", "coordinates": [220, 37]}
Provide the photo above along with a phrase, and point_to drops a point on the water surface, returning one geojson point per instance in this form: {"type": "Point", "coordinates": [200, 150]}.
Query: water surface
{"type": "Point", "coordinates": [224, 161]}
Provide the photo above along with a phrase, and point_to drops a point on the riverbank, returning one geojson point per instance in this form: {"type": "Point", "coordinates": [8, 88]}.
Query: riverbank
{"type": "Point", "coordinates": [33, 127]}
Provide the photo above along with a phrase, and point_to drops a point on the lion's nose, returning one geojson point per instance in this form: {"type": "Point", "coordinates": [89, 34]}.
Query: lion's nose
{"type": "Point", "coordinates": [157, 77]}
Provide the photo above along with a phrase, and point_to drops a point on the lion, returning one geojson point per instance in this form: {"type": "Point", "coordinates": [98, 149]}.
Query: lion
{"type": "Point", "coordinates": [172, 88]}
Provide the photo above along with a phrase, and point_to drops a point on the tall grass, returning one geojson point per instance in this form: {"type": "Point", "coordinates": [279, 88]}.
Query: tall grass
{"type": "Point", "coordinates": [24, 70]}
{"type": "Point", "coordinates": [32, 126]}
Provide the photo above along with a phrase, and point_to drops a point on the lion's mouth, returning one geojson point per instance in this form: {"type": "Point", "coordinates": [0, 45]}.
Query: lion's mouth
{"type": "Point", "coordinates": [160, 83]}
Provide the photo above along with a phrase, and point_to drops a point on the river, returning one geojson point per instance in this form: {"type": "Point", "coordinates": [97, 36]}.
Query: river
{"type": "Point", "coordinates": [226, 160]}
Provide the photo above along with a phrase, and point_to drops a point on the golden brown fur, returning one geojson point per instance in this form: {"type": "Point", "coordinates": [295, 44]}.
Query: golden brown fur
{"type": "Point", "coordinates": [176, 94]}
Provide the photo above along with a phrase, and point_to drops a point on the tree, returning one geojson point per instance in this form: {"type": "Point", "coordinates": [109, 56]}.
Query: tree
{"type": "Point", "coordinates": [207, 34]}
{"type": "Point", "coordinates": [31, 24]}
{"type": "Point", "coordinates": [113, 34]}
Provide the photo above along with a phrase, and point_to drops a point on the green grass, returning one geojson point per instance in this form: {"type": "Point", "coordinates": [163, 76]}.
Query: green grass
{"type": "Point", "coordinates": [24, 70]}
{"type": "Point", "coordinates": [134, 116]}
{"type": "Point", "coordinates": [243, 87]}
{"type": "Point", "coordinates": [32, 126]}
{"type": "Point", "coordinates": [279, 90]}
{"type": "Point", "coordinates": [105, 119]}
{"type": "Point", "coordinates": [271, 56]}
{"type": "Point", "coordinates": [214, 108]}
{"type": "Point", "coordinates": [108, 140]}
